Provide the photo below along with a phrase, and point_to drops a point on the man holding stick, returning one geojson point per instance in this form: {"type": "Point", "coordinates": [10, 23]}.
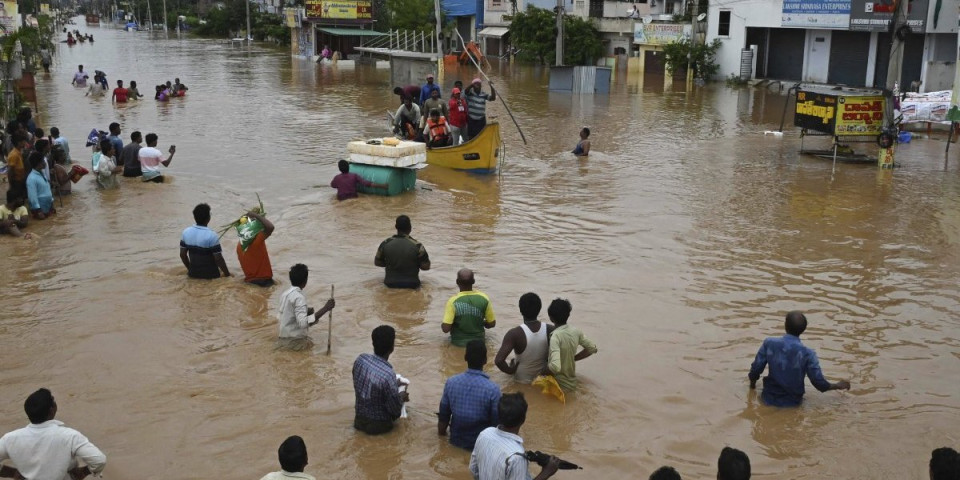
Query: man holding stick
{"type": "Point", "coordinates": [294, 315]}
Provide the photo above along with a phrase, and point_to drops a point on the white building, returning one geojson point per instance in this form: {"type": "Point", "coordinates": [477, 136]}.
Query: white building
{"type": "Point", "coordinates": [837, 42]}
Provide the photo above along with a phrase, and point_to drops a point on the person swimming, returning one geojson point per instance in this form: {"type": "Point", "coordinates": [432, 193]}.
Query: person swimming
{"type": "Point", "coordinates": [583, 146]}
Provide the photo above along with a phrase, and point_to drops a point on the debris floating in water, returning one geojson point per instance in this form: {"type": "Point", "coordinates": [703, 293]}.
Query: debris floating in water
{"type": "Point", "coordinates": [773, 132]}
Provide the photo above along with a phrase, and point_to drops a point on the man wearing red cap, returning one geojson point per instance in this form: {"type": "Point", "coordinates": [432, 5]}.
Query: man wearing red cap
{"type": "Point", "coordinates": [477, 105]}
{"type": "Point", "coordinates": [428, 88]}
{"type": "Point", "coordinates": [458, 117]}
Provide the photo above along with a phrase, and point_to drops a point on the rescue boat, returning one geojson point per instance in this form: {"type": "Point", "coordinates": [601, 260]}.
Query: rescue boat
{"type": "Point", "coordinates": [480, 154]}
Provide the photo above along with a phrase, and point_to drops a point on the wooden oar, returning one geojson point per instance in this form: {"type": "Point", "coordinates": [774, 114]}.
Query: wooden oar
{"type": "Point", "coordinates": [329, 322]}
{"type": "Point", "coordinates": [504, 102]}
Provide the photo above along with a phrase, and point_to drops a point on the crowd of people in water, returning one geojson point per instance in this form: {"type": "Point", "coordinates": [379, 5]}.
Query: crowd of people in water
{"type": "Point", "coordinates": [39, 168]}
{"type": "Point", "coordinates": [121, 94]}
{"type": "Point", "coordinates": [474, 414]}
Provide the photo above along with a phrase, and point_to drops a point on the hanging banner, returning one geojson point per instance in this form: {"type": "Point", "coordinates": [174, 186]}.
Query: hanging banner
{"type": "Point", "coordinates": [876, 15]}
{"type": "Point", "coordinates": [659, 33]}
{"type": "Point", "coordinates": [859, 115]}
{"type": "Point", "coordinates": [815, 13]}
{"type": "Point", "coordinates": [339, 9]}
{"type": "Point", "coordinates": [8, 17]}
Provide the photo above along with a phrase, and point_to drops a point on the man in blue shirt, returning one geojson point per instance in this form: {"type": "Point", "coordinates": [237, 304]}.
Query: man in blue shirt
{"type": "Point", "coordinates": [471, 398]}
{"type": "Point", "coordinates": [789, 362]}
{"type": "Point", "coordinates": [39, 194]}
{"type": "Point", "coordinates": [200, 247]}
{"type": "Point", "coordinates": [427, 89]}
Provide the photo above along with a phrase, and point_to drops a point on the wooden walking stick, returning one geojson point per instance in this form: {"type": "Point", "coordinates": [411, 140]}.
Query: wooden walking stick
{"type": "Point", "coordinates": [329, 322]}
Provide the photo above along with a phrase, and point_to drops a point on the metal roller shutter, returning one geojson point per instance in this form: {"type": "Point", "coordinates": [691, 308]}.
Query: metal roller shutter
{"type": "Point", "coordinates": [849, 52]}
{"type": "Point", "coordinates": [785, 56]}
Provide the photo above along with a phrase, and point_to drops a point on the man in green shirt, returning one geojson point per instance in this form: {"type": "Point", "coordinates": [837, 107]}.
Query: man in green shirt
{"type": "Point", "coordinates": [467, 313]}
{"type": "Point", "coordinates": [403, 257]}
{"type": "Point", "coordinates": [563, 346]}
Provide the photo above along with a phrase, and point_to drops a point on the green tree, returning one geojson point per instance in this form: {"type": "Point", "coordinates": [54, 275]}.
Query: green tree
{"type": "Point", "coordinates": [417, 15]}
{"type": "Point", "coordinates": [581, 41]}
{"type": "Point", "coordinates": [534, 32]}
{"type": "Point", "coordinates": [701, 57]}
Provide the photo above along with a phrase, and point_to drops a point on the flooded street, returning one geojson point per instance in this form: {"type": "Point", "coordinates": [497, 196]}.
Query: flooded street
{"type": "Point", "coordinates": [681, 242]}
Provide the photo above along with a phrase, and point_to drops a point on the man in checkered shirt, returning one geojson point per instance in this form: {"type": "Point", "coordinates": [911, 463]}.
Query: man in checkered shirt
{"type": "Point", "coordinates": [379, 400]}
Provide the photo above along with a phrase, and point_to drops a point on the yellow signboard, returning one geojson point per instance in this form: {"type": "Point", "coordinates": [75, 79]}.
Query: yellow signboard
{"type": "Point", "coordinates": [45, 8]}
{"type": "Point", "coordinates": [859, 115]}
{"type": "Point", "coordinates": [340, 9]}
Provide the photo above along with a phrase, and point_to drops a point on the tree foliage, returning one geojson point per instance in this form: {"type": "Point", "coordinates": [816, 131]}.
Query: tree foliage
{"type": "Point", "coordinates": [701, 57]}
{"type": "Point", "coordinates": [415, 15]}
{"type": "Point", "coordinates": [534, 32]}
{"type": "Point", "coordinates": [581, 41]}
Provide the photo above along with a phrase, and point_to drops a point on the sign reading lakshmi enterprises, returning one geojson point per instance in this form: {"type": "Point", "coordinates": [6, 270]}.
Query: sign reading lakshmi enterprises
{"type": "Point", "coordinates": [860, 115]}
{"type": "Point", "coordinates": [340, 9]}
{"type": "Point", "coordinates": [839, 115]}
{"type": "Point", "coordinates": [659, 33]}
{"type": "Point", "coordinates": [876, 15]}
{"type": "Point", "coordinates": [815, 111]}
{"type": "Point", "coordinates": [815, 13]}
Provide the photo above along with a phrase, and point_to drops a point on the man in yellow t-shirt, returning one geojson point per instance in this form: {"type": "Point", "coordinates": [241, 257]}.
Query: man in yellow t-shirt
{"type": "Point", "coordinates": [13, 214]}
{"type": "Point", "coordinates": [467, 313]}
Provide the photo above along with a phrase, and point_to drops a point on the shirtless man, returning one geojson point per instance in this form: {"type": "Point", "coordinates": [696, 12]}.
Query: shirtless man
{"type": "Point", "coordinates": [528, 343]}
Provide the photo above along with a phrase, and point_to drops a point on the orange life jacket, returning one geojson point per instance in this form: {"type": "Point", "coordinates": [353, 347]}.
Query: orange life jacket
{"type": "Point", "coordinates": [437, 129]}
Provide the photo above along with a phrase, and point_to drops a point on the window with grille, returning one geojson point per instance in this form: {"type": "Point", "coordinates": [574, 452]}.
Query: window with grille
{"type": "Point", "coordinates": [723, 24]}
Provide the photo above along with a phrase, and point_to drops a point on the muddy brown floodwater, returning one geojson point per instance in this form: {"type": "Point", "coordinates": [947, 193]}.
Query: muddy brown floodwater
{"type": "Point", "coordinates": [681, 242]}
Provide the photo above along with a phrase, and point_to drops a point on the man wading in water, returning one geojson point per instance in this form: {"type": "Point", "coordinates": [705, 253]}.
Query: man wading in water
{"type": "Point", "coordinates": [528, 343]}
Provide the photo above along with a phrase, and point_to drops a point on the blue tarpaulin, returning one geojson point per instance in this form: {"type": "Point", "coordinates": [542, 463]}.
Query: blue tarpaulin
{"type": "Point", "coordinates": [464, 8]}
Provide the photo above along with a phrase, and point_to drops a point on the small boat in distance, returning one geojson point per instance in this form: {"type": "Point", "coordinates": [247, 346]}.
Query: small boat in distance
{"type": "Point", "coordinates": [478, 155]}
{"type": "Point", "coordinates": [93, 19]}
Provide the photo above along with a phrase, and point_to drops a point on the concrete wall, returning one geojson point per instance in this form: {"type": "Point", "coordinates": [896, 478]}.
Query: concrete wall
{"type": "Point", "coordinates": [410, 70]}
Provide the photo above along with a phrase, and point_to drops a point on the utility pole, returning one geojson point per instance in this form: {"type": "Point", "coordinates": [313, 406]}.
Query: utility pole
{"type": "Point", "coordinates": [693, 42]}
{"type": "Point", "coordinates": [249, 36]}
{"type": "Point", "coordinates": [439, 38]}
{"type": "Point", "coordinates": [894, 67]}
{"type": "Point", "coordinates": [164, 16]}
{"type": "Point", "coordinates": [559, 33]}
{"type": "Point", "coordinates": [149, 16]}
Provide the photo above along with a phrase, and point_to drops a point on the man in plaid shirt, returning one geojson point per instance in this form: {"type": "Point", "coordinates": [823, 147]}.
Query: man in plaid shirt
{"type": "Point", "coordinates": [471, 398]}
{"type": "Point", "coordinates": [379, 400]}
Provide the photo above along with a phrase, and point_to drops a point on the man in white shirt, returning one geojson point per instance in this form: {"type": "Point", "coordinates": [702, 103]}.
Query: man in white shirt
{"type": "Point", "coordinates": [151, 159]}
{"type": "Point", "coordinates": [498, 453]}
{"type": "Point", "coordinates": [293, 459]}
{"type": "Point", "coordinates": [46, 449]}
{"type": "Point", "coordinates": [294, 315]}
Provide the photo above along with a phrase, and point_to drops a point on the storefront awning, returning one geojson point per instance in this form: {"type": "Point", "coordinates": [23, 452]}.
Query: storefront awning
{"type": "Point", "coordinates": [350, 32]}
{"type": "Point", "coordinates": [493, 32]}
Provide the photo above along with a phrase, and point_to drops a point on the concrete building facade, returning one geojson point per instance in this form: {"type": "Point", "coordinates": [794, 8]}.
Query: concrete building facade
{"type": "Point", "coordinates": [836, 42]}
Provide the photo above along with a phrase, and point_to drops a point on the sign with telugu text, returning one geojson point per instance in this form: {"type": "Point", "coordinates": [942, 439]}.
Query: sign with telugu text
{"type": "Point", "coordinates": [659, 33]}
{"type": "Point", "coordinates": [340, 9]}
{"type": "Point", "coordinates": [815, 111]}
{"type": "Point", "coordinates": [876, 15]}
{"type": "Point", "coordinates": [815, 13]}
{"type": "Point", "coordinates": [860, 115]}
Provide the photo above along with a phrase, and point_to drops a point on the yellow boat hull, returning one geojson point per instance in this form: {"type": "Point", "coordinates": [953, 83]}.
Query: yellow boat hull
{"type": "Point", "coordinates": [479, 155]}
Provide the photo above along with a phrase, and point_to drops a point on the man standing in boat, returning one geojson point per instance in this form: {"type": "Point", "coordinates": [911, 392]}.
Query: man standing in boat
{"type": "Point", "coordinates": [427, 90]}
{"type": "Point", "coordinates": [458, 117]}
{"type": "Point", "coordinates": [477, 107]}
